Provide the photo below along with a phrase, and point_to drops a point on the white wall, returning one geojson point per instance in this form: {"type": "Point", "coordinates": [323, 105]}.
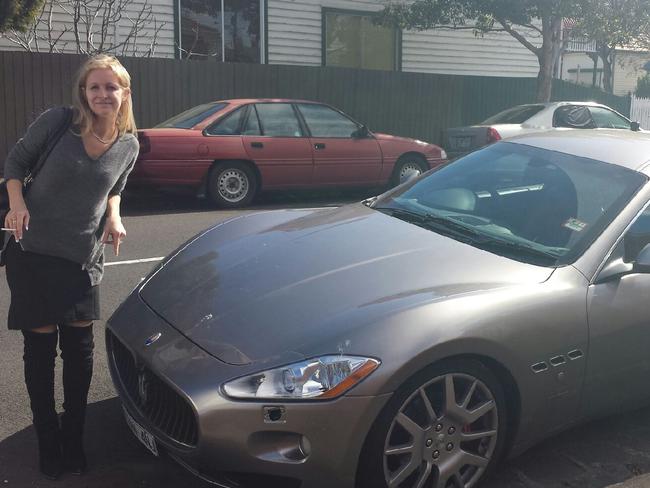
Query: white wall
{"type": "Point", "coordinates": [163, 12]}
{"type": "Point", "coordinates": [627, 69]}
{"type": "Point", "coordinates": [295, 38]}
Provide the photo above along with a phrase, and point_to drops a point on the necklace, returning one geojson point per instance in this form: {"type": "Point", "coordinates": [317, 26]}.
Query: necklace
{"type": "Point", "coordinates": [102, 140]}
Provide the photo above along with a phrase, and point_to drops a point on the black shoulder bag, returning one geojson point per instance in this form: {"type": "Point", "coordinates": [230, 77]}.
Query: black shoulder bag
{"type": "Point", "coordinates": [4, 195]}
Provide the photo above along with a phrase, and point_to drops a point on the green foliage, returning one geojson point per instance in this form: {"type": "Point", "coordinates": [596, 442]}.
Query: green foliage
{"type": "Point", "coordinates": [615, 23]}
{"type": "Point", "coordinates": [19, 14]}
{"type": "Point", "coordinates": [643, 87]}
{"type": "Point", "coordinates": [484, 15]}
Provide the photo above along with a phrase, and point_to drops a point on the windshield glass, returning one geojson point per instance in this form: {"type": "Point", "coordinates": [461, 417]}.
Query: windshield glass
{"type": "Point", "coordinates": [191, 117]}
{"type": "Point", "coordinates": [533, 205]}
{"type": "Point", "coordinates": [514, 115]}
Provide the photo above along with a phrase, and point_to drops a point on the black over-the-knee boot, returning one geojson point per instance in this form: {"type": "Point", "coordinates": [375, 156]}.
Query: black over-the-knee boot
{"type": "Point", "coordinates": [77, 352]}
{"type": "Point", "coordinates": [39, 355]}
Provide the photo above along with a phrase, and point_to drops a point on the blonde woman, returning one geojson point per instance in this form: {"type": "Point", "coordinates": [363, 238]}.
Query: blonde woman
{"type": "Point", "coordinates": [55, 258]}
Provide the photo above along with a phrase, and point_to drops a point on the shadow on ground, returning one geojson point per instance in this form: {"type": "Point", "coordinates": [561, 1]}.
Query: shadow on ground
{"type": "Point", "coordinates": [116, 459]}
{"type": "Point", "coordinates": [592, 456]}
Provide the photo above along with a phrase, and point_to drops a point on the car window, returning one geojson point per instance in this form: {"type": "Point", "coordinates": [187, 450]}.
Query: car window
{"type": "Point", "coordinates": [323, 121]}
{"type": "Point", "coordinates": [193, 116]}
{"type": "Point", "coordinates": [573, 117]}
{"type": "Point", "coordinates": [252, 124]}
{"type": "Point", "coordinates": [534, 205]}
{"type": "Point", "coordinates": [278, 120]}
{"type": "Point", "coordinates": [637, 236]}
{"type": "Point", "coordinates": [227, 126]}
{"type": "Point", "coordinates": [514, 115]}
{"type": "Point", "coordinates": [606, 119]}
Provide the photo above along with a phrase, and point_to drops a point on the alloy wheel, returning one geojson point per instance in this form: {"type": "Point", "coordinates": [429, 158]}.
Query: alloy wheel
{"type": "Point", "coordinates": [443, 436]}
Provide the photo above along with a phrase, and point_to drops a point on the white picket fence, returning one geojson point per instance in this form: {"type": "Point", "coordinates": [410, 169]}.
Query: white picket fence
{"type": "Point", "coordinates": [640, 111]}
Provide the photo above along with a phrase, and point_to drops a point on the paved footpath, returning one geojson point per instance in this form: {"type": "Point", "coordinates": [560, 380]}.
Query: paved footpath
{"type": "Point", "coordinates": [636, 482]}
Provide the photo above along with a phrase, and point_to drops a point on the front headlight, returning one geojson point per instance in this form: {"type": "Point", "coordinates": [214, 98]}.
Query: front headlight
{"type": "Point", "coordinates": [314, 379]}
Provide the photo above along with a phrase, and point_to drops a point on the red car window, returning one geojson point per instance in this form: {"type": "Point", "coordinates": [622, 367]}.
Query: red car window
{"type": "Point", "coordinates": [324, 121]}
{"type": "Point", "coordinates": [278, 120]}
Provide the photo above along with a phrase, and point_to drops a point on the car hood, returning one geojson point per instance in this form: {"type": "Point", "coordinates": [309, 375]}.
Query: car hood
{"type": "Point", "coordinates": [264, 285]}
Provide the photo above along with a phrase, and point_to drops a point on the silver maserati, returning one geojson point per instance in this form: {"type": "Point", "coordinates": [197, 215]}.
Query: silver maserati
{"type": "Point", "coordinates": [410, 340]}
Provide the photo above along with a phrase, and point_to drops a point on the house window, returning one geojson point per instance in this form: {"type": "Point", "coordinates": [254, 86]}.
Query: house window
{"type": "Point", "coordinates": [224, 30]}
{"type": "Point", "coordinates": [352, 40]}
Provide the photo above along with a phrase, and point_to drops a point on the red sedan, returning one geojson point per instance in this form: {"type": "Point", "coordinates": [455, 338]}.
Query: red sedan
{"type": "Point", "coordinates": [236, 148]}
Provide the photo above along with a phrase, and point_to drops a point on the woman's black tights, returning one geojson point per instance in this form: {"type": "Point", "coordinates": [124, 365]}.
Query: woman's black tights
{"type": "Point", "coordinates": [64, 444]}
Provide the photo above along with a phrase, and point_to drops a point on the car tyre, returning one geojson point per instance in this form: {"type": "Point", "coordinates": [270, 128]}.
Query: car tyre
{"type": "Point", "coordinates": [445, 428]}
{"type": "Point", "coordinates": [232, 184]}
{"type": "Point", "coordinates": [406, 167]}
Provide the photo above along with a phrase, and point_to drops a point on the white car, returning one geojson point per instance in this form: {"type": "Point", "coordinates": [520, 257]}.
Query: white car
{"type": "Point", "coordinates": [535, 117]}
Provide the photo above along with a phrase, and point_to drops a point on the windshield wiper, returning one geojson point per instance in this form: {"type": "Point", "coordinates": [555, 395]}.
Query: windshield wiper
{"type": "Point", "coordinates": [434, 222]}
{"type": "Point", "coordinates": [518, 249]}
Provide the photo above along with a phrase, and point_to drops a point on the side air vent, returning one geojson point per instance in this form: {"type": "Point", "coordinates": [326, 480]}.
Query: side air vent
{"type": "Point", "coordinates": [575, 354]}
{"type": "Point", "coordinates": [539, 367]}
{"type": "Point", "coordinates": [557, 360]}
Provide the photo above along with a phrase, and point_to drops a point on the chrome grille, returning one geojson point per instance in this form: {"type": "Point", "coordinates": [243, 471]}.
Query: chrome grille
{"type": "Point", "coordinates": [155, 400]}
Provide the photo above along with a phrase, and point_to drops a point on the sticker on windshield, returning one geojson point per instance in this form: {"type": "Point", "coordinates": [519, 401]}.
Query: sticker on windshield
{"type": "Point", "coordinates": [575, 224]}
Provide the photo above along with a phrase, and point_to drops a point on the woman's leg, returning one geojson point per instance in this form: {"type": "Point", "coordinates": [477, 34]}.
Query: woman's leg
{"type": "Point", "coordinates": [77, 352]}
{"type": "Point", "coordinates": [39, 355]}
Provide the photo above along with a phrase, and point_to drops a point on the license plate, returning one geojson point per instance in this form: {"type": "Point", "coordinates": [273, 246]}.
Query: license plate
{"type": "Point", "coordinates": [143, 436]}
{"type": "Point", "coordinates": [463, 142]}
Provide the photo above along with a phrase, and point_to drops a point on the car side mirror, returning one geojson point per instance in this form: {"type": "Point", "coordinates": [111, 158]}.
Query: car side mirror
{"type": "Point", "coordinates": [618, 267]}
{"type": "Point", "coordinates": [635, 127]}
{"type": "Point", "coordinates": [361, 133]}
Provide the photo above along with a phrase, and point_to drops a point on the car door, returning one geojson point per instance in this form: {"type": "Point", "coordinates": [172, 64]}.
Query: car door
{"type": "Point", "coordinates": [342, 154]}
{"type": "Point", "coordinates": [619, 326]}
{"type": "Point", "coordinates": [273, 137]}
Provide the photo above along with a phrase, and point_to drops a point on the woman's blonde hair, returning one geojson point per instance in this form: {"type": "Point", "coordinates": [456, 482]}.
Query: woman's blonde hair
{"type": "Point", "coordinates": [83, 116]}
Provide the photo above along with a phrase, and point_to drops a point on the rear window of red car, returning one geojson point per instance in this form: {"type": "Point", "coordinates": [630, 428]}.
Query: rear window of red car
{"type": "Point", "coordinates": [193, 116]}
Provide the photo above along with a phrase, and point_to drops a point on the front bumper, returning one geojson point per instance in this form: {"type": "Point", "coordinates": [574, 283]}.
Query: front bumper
{"type": "Point", "coordinates": [230, 443]}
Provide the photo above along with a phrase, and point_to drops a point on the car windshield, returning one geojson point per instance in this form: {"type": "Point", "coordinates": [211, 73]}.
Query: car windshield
{"type": "Point", "coordinates": [514, 115]}
{"type": "Point", "coordinates": [191, 117]}
{"type": "Point", "coordinates": [533, 205]}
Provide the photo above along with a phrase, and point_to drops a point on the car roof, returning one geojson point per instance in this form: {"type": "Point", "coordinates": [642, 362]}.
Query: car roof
{"type": "Point", "coordinates": [243, 101]}
{"type": "Point", "coordinates": [624, 148]}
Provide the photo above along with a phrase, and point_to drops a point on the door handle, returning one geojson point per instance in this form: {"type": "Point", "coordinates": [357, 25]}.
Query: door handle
{"type": "Point", "coordinates": [257, 144]}
{"type": "Point", "coordinates": [319, 145]}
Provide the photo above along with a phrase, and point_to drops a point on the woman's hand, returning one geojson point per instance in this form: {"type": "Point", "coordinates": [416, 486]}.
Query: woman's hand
{"type": "Point", "coordinates": [114, 233]}
{"type": "Point", "coordinates": [17, 219]}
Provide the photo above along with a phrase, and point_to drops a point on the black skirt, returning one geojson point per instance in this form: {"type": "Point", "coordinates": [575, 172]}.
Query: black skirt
{"type": "Point", "coordinates": [47, 290]}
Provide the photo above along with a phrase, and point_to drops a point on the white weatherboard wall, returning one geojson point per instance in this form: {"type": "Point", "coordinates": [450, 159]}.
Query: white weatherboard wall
{"type": "Point", "coordinates": [163, 11]}
{"type": "Point", "coordinates": [295, 37]}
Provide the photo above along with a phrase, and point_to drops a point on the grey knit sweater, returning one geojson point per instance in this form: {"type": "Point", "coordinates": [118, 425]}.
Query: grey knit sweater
{"type": "Point", "coordinates": [67, 200]}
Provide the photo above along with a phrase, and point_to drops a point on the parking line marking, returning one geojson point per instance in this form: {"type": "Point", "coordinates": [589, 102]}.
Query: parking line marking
{"type": "Point", "coordinates": [135, 261]}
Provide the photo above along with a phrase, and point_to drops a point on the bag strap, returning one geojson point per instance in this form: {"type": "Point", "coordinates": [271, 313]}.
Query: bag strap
{"type": "Point", "coordinates": [52, 142]}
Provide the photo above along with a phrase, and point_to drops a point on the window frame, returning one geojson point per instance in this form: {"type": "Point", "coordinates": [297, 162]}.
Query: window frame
{"type": "Point", "coordinates": [611, 111]}
{"type": "Point", "coordinates": [253, 109]}
{"type": "Point", "coordinates": [364, 13]}
{"type": "Point", "coordinates": [242, 118]}
{"type": "Point", "coordinates": [303, 120]}
{"type": "Point", "coordinates": [264, 31]}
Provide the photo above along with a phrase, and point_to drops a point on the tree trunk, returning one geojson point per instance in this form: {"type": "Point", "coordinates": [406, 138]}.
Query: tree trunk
{"type": "Point", "coordinates": [606, 54]}
{"type": "Point", "coordinates": [551, 40]}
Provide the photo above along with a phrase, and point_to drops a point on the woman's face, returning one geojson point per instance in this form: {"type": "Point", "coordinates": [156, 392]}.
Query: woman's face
{"type": "Point", "coordinates": [104, 93]}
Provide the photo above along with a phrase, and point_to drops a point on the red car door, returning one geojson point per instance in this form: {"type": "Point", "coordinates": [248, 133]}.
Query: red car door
{"type": "Point", "coordinates": [342, 156]}
{"type": "Point", "coordinates": [274, 139]}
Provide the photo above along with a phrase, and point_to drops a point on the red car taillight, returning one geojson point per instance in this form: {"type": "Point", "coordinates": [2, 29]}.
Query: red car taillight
{"type": "Point", "coordinates": [493, 135]}
{"type": "Point", "coordinates": [145, 143]}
